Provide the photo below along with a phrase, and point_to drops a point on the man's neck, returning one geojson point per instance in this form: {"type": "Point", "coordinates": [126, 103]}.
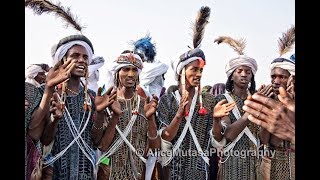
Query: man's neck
{"type": "Point", "coordinates": [125, 92]}
{"type": "Point", "coordinates": [240, 92]}
{"type": "Point", "coordinates": [190, 89]}
{"type": "Point", "coordinates": [74, 83]}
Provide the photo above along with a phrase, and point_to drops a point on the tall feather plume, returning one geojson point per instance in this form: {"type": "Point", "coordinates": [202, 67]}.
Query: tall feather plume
{"type": "Point", "coordinates": [145, 46]}
{"type": "Point", "coordinates": [199, 25]}
{"type": "Point", "coordinates": [237, 45]}
{"type": "Point", "coordinates": [44, 6]}
{"type": "Point", "coordinates": [287, 40]}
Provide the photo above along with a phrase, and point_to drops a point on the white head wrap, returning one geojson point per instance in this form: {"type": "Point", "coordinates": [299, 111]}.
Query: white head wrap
{"type": "Point", "coordinates": [239, 61]}
{"type": "Point", "coordinates": [178, 66]}
{"type": "Point", "coordinates": [31, 72]}
{"type": "Point", "coordinates": [287, 65]}
{"type": "Point", "coordinates": [151, 77]}
{"type": "Point", "coordinates": [93, 78]}
{"type": "Point", "coordinates": [62, 50]}
{"type": "Point", "coordinates": [114, 67]}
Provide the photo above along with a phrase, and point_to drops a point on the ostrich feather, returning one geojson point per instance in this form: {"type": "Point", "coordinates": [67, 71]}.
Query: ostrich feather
{"type": "Point", "coordinates": [45, 6]}
{"type": "Point", "coordinates": [287, 41]}
{"type": "Point", "coordinates": [200, 24]}
{"type": "Point", "coordinates": [237, 45]}
{"type": "Point", "coordinates": [146, 47]}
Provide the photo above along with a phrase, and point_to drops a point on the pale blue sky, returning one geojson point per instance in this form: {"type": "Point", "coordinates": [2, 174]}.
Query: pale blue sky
{"type": "Point", "coordinates": [111, 25]}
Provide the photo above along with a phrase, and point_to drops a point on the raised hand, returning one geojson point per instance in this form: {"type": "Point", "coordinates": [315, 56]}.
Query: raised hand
{"type": "Point", "coordinates": [222, 108]}
{"type": "Point", "coordinates": [150, 107]}
{"type": "Point", "coordinates": [55, 107]}
{"type": "Point", "coordinates": [104, 101]}
{"type": "Point", "coordinates": [286, 99]}
{"type": "Point", "coordinates": [266, 90]}
{"type": "Point", "coordinates": [183, 102]}
{"type": "Point", "coordinates": [60, 72]}
{"type": "Point", "coordinates": [271, 115]}
{"type": "Point", "coordinates": [290, 87]}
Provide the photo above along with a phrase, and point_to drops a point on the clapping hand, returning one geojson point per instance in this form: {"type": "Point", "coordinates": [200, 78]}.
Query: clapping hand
{"type": "Point", "coordinates": [222, 108]}
{"type": "Point", "coordinates": [60, 72]}
{"type": "Point", "coordinates": [105, 100]}
{"type": "Point", "coordinates": [55, 107]}
{"type": "Point", "coordinates": [150, 107]}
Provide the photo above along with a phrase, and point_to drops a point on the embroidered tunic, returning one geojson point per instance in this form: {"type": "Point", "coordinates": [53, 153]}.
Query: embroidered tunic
{"type": "Point", "coordinates": [124, 163]}
{"type": "Point", "coordinates": [31, 92]}
{"type": "Point", "coordinates": [283, 162]}
{"type": "Point", "coordinates": [188, 165]}
{"type": "Point", "coordinates": [242, 163]}
{"type": "Point", "coordinates": [73, 165]}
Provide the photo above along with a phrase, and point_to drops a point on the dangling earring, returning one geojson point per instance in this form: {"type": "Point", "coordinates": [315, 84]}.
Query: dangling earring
{"type": "Point", "coordinates": [86, 104]}
{"type": "Point", "coordinates": [202, 110]}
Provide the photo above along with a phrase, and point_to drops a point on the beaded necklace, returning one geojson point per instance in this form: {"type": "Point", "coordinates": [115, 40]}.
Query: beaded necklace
{"type": "Point", "coordinates": [73, 92]}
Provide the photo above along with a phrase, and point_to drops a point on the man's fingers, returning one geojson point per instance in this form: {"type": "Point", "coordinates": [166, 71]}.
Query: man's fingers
{"type": "Point", "coordinates": [109, 91]}
{"type": "Point", "coordinates": [229, 108]}
{"type": "Point", "coordinates": [147, 100]}
{"type": "Point", "coordinates": [258, 122]}
{"type": "Point", "coordinates": [185, 103]}
{"type": "Point", "coordinates": [231, 104]}
{"type": "Point", "coordinates": [70, 67]}
{"type": "Point", "coordinates": [113, 97]}
{"type": "Point", "coordinates": [222, 102]}
{"type": "Point", "coordinates": [264, 100]}
{"type": "Point", "coordinates": [270, 95]}
{"type": "Point", "coordinates": [55, 97]}
{"type": "Point", "coordinates": [99, 91]}
{"type": "Point", "coordinates": [283, 93]}
{"type": "Point", "coordinates": [155, 97]}
{"type": "Point", "coordinates": [290, 80]}
{"type": "Point", "coordinates": [66, 63]}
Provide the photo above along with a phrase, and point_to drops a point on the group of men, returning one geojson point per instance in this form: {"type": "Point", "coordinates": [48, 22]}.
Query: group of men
{"type": "Point", "coordinates": [141, 133]}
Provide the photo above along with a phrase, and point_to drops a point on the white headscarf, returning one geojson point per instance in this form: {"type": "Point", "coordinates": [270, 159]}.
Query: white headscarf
{"type": "Point", "coordinates": [93, 70]}
{"type": "Point", "coordinates": [177, 65]}
{"type": "Point", "coordinates": [31, 72]}
{"type": "Point", "coordinates": [62, 50]}
{"type": "Point", "coordinates": [114, 67]}
{"type": "Point", "coordinates": [151, 77]}
{"type": "Point", "coordinates": [239, 61]}
{"type": "Point", "coordinates": [287, 65]}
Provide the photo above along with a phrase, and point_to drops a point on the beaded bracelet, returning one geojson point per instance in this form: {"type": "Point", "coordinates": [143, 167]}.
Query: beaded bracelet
{"type": "Point", "coordinates": [97, 128]}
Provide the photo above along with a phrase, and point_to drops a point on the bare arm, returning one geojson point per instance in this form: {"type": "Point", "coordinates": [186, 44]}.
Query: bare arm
{"type": "Point", "coordinates": [220, 112]}
{"type": "Point", "coordinates": [102, 102]}
{"type": "Point", "coordinates": [150, 109]}
{"type": "Point", "coordinates": [170, 132]}
{"type": "Point", "coordinates": [59, 73]}
{"type": "Point", "coordinates": [264, 136]}
{"type": "Point", "coordinates": [52, 121]}
{"type": "Point", "coordinates": [97, 128]}
{"type": "Point", "coordinates": [109, 133]}
{"type": "Point", "coordinates": [38, 117]}
{"type": "Point", "coordinates": [234, 129]}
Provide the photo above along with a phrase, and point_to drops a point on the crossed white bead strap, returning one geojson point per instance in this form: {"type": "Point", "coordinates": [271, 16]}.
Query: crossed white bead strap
{"type": "Point", "coordinates": [123, 138]}
{"type": "Point", "coordinates": [246, 130]}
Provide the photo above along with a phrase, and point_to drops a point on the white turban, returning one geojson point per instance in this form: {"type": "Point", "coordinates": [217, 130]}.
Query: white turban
{"type": "Point", "coordinates": [114, 67]}
{"type": "Point", "coordinates": [239, 61]}
{"type": "Point", "coordinates": [186, 58]}
{"type": "Point", "coordinates": [287, 64]}
{"type": "Point", "coordinates": [31, 72]}
{"type": "Point", "coordinates": [151, 77]}
{"type": "Point", "coordinates": [178, 66]}
{"type": "Point", "coordinates": [93, 70]}
{"type": "Point", "coordinates": [62, 50]}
